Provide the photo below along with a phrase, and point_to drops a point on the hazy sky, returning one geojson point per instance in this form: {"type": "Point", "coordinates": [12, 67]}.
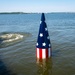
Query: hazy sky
{"type": "Point", "coordinates": [37, 5]}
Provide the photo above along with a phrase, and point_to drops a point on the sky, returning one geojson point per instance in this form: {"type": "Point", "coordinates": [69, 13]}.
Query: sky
{"type": "Point", "coordinates": [37, 6]}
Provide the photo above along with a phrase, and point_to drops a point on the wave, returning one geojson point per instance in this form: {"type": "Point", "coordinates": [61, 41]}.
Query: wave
{"type": "Point", "coordinates": [10, 37]}
{"type": "Point", "coordinates": [7, 39]}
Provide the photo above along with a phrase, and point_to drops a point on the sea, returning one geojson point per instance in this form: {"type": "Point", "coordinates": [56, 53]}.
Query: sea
{"type": "Point", "coordinates": [18, 37]}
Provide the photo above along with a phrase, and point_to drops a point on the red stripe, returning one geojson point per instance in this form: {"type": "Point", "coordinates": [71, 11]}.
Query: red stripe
{"type": "Point", "coordinates": [40, 53]}
{"type": "Point", "coordinates": [46, 53]}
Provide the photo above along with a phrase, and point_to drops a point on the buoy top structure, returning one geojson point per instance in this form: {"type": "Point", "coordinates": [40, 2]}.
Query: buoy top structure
{"type": "Point", "coordinates": [43, 46]}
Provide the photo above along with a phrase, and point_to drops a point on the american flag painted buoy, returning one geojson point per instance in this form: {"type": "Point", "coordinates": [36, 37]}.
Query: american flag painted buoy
{"type": "Point", "coordinates": [43, 46]}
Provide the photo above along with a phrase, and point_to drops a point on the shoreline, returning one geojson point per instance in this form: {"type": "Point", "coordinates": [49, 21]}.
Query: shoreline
{"type": "Point", "coordinates": [37, 12]}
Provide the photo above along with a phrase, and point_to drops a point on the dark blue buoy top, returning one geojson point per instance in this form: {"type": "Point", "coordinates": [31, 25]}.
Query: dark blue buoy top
{"type": "Point", "coordinates": [43, 17]}
{"type": "Point", "coordinates": [43, 41]}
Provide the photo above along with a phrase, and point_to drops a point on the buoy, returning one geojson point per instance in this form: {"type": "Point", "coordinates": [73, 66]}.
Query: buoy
{"type": "Point", "coordinates": [43, 46]}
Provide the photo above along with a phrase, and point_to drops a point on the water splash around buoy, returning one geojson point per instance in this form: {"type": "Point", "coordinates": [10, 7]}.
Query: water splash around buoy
{"type": "Point", "coordinates": [7, 39]}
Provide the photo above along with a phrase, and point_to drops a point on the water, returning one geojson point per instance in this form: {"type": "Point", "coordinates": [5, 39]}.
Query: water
{"type": "Point", "coordinates": [18, 57]}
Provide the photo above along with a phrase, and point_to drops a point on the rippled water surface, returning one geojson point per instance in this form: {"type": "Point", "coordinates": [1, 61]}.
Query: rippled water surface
{"type": "Point", "coordinates": [18, 57]}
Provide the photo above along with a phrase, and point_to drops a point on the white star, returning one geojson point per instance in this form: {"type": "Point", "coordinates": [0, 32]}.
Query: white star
{"type": "Point", "coordinates": [40, 22]}
{"type": "Point", "coordinates": [49, 45]}
{"type": "Point", "coordinates": [41, 35]}
{"type": "Point", "coordinates": [48, 37]}
{"type": "Point", "coordinates": [44, 44]}
{"type": "Point", "coordinates": [45, 29]}
{"type": "Point", "coordinates": [37, 44]}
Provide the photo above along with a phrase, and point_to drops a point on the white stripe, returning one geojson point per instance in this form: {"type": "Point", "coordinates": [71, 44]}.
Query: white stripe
{"type": "Point", "coordinates": [37, 53]}
{"type": "Point", "coordinates": [43, 53]}
{"type": "Point", "coordinates": [49, 52]}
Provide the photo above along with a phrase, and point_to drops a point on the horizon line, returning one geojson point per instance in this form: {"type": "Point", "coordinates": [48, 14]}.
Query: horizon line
{"type": "Point", "coordinates": [14, 12]}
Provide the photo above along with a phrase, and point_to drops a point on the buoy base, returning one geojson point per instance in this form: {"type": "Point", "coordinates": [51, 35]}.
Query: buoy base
{"type": "Point", "coordinates": [43, 53]}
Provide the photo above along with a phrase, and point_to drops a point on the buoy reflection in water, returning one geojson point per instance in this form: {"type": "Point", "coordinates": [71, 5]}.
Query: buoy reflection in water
{"type": "Point", "coordinates": [44, 66]}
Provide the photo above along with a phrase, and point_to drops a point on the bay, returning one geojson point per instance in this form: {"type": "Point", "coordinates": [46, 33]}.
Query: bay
{"type": "Point", "coordinates": [20, 58]}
